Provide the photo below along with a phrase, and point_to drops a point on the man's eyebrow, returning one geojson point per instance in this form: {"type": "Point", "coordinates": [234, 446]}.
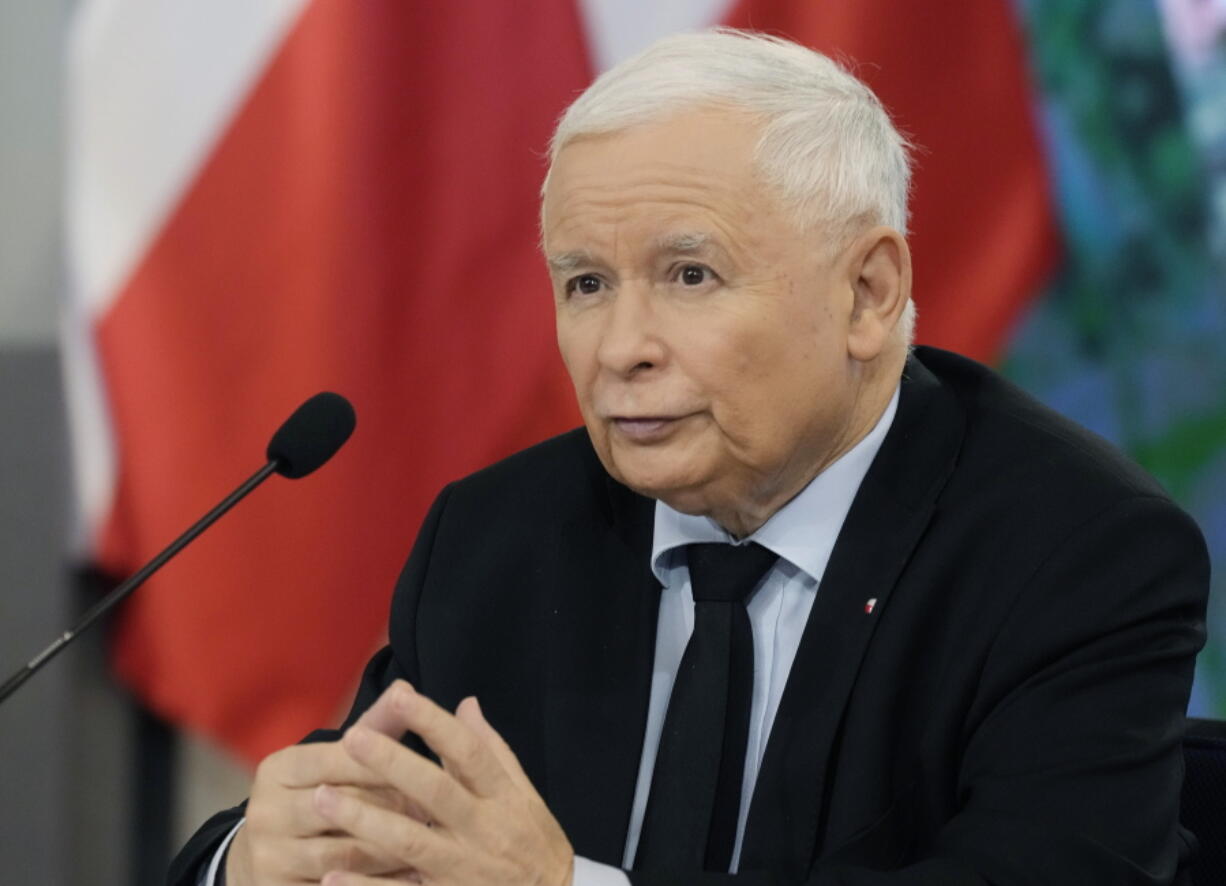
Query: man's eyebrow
{"type": "Point", "coordinates": [682, 241]}
{"type": "Point", "coordinates": [565, 262]}
{"type": "Point", "coordinates": [679, 243]}
{"type": "Point", "coordinates": [687, 243]}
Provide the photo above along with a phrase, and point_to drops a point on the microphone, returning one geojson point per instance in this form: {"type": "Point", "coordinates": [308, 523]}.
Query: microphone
{"type": "Point", "coordinates": [307, 439]}
{"type": "Point", "coordinates": [311, 436]}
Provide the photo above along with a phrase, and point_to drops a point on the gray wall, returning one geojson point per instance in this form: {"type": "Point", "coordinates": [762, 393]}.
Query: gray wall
{"type": "Point", "coordinates": [31, 81]}
{"type": "Point", "coordinates": [65, 737]}
{"type": "Point", "coordinates": [68, 738]}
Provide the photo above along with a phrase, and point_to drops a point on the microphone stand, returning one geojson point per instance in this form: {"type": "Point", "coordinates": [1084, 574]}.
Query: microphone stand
{"type": "Point", "coordinates": [107, 603]}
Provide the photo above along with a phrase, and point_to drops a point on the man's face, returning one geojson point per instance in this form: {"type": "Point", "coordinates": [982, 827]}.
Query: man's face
{"type": "Point", "coordinates": [706, 336]}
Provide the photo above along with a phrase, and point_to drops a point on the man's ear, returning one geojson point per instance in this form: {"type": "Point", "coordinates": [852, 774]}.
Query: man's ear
{"type": "Point", "coordinates": [880, 276]}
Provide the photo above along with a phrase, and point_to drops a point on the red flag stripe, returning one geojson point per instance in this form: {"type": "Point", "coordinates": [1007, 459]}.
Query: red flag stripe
{"type": "Point", "coordinates": [366, 225]}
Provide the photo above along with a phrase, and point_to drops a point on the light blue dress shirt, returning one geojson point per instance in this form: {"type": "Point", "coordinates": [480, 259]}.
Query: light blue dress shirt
{"type": "Point", "coordinates": [802, 533]}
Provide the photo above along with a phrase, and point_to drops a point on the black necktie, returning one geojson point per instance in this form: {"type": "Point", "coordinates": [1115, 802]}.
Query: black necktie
{"type": "Point", "coordinates": [691, 817]}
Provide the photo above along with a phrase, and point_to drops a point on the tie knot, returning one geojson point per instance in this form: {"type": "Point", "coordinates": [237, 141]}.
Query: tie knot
{"type": "Point", "coordinates": [722, 573]}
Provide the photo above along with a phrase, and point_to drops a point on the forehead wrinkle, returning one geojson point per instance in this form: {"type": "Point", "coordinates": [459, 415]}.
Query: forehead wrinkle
{"type": "Point", "coordinates": [696, 206]}
{"type": "Point", "coordinates": [618, 209]}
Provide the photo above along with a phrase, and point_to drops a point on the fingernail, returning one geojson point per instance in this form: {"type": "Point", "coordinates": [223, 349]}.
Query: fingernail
{"type": "Point", "coordinates": [325, 798]}
{"type": "Point", "coordinates": [477, 705]}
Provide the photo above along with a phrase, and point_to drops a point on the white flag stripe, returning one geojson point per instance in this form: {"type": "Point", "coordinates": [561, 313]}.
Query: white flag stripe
{"type": "Point", "coordinates": [90, 437]}
{"type": "Point", "coordinates": [152, 86]}
{"type": "Point", "coordinates": [617, 29]}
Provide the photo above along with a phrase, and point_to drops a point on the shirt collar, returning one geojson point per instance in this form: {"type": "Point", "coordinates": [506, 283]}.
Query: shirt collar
{"type": "Point", "coordinates": [803, 531]}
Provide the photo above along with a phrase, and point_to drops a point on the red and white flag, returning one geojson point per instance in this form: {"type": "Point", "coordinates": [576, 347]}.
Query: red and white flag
{"type": "Point", "coordinates": [268, 198]}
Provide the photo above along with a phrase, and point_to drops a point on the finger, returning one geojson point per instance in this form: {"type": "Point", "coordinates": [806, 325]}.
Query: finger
{"type": "Point", "coordinates": [382, 716]}
{"type": "Point", "coordinates": [388, 798]}
{"type": "Point", "coordinates": [391, 797]}
{"type": "Point", "coordinates": [456, 744]}
{"type": "Point", "coordinates": [469, 712]}
{"type": "Point", "coordinates": [385, 797]}
{"type": "Point", "coordinates": [293, 813]}
{"type": "Point", "coordinates": [344, 878]}
{"type": "Point", "coordinates": [435, 794]}
{"type": "Point", "coordinates": [308, 765]}
{"type": "Point", "coordinates": [312, 858]}
{"type": "Point", "coordinates": [411, 843]}
{"type": "Point", "coordinates": [290, 813]}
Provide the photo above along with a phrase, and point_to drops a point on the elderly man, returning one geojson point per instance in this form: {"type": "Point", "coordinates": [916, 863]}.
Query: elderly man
{"type": "Point", "coordinates": [797, 603]}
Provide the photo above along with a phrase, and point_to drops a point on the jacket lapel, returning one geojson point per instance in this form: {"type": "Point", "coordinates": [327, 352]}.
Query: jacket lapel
{"type": "Point", "coordinates": [600, 666]}
{"type": "Point", "coordinates": [887, 517]}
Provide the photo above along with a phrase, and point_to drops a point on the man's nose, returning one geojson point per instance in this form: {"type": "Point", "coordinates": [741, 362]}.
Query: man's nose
{"type": "Point", "coordinates": [631, 343]}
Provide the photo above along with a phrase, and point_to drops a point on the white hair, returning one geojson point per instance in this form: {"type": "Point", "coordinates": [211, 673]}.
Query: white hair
{"type": "Point", "coordinates": [827, 147]}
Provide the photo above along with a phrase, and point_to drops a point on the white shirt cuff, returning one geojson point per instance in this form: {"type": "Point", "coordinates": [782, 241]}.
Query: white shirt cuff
{"type": "Point", "coordinates": [593, 873]}
{"type": "Point", "coordinates": [210, 876]}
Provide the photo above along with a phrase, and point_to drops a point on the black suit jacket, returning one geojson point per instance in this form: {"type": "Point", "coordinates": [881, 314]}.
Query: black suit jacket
{"type": "Point", "coordinates": [1008, 713]}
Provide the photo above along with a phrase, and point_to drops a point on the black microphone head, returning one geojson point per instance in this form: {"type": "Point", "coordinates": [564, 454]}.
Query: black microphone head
{"type": "Point", "coordinates": [311, 436]}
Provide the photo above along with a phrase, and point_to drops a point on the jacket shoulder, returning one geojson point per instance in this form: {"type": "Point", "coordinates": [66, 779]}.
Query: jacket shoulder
{"type": "Point", "coordinates": [557, 479]}
{"type": "Point", "coordinates": [1016, 446]}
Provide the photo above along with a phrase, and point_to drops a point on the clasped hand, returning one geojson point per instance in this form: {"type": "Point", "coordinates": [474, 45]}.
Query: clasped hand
{"type": "Point", "coordinates": [369, 810]}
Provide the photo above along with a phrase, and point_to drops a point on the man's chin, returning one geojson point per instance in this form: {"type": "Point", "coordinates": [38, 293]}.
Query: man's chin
{"type": "Point", "coordinates": [676, 471]}
{"type": "Point", "coordinates": [681, 492]}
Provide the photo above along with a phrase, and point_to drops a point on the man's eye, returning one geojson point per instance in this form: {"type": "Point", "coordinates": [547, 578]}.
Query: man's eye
{"type": "Point", "coordinates": [693, 275]}
{"type": "Point", "coordinates": [584, 284]}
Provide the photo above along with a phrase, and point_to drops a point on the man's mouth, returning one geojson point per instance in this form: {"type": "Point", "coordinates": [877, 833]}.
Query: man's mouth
{"type": "Point", "coordinates": [645, 429]}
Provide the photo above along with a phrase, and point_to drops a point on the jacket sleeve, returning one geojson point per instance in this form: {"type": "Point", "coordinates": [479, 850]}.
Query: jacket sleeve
{"type": "Point", "coordinates": [1071, 761]}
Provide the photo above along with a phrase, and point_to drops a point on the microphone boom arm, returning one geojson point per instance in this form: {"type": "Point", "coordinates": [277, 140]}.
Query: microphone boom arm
{"type": "Point", "coordinates": [112, 599]}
